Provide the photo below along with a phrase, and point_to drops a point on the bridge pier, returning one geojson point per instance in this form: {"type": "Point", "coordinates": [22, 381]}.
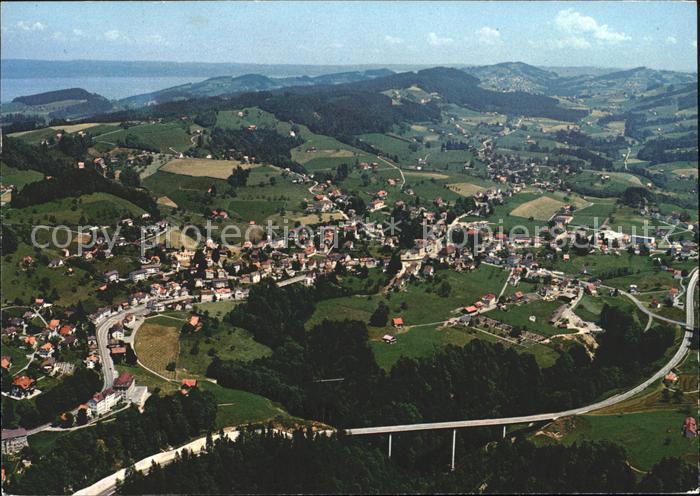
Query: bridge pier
{"type": "Point", "coordinates": [504, 432]}
{"type": "Point", "coordinates": [454, 442]}
{"type": "Point", "coordinates": [390, 445]}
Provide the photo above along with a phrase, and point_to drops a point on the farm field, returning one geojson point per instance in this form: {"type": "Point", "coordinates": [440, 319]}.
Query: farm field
{"type": "Point", "coordinates": [166, 202]}
{"type": "Point", "coordinates": [202, 167]}
{"type": "Point", "coordinates": [157, 344]}
{"type": "Point", "coordinates": [465, 189]}
{"type": "Point", "coordinates": [543, 208]}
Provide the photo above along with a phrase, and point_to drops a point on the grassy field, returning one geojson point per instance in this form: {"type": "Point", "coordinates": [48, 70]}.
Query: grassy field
{"type": "Point", "coordinates": [18, 356]}
{"type": "Point", "coordinates": [198, 167]}
{"type": "Point", "coordinates": [217, 309]}
{"type": "Point", "coordinates": [595, 214]}
{"type": "Point", "coordinates": [543, 208]}
{"type": "Point", "coordinates": [227, 344]}
{"type": "Point", "coordinates": [642, 271]}
{"type": "Point", "coordinates": [236, 407]}
{"type": "Point", "coordinates": [420, 342]}
{"type": "Point", "coordinates": [177, 239]}
{"type": "Point", "coordinates": [24, 283]}
{"type": "Point", "coordinates": [157, 344]}
{"type": "Point", "coordinates": [465, 189]}
{"type": "Point", "coordinates": [519, 316]}
{"type": "Point", "coordinates": [311, 219]}
{"type": "Point", "coordinates": [16, 177]}
{"type": "Point", "coordinates": [646, 436]}
{"type": "Point", "coordinates": [419, 303]}
{"type": "Point", "coordinates": [589, 308]}
{"type": "Point", "coordinates": [686, 172]}
{"type": "Point", "coordinates": [95, 208]}
{"type": "Point", "coordinates": [426, 340]}
{"type": "Point", "coordinates": [165, 137]}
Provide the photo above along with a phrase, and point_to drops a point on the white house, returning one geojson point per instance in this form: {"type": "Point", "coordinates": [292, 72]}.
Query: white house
{"type": "Point", "coordinates": [103, 402]}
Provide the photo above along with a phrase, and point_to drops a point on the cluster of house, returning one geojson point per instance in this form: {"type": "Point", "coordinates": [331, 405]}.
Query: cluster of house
{"type": "Point", "coordinates": [42, 345]}
{"type": "Point", "coordinates": [329, 199]}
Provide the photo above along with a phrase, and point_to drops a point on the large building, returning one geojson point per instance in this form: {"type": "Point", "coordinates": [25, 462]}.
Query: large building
{"type": "Point", "coordinates": [13, 440]}
{"type": "Point", "coordinates": [124, 384]}
{"type": "Point", "coordinates": [103, 402]}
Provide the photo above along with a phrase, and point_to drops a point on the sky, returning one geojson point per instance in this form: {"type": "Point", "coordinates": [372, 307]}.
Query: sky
{"type": "Point", "coordinates": [660, 35]}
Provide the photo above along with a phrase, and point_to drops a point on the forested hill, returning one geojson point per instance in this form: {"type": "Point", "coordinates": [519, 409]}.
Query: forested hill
{"type": "Point", "coordinates": [514, 76]}
{"type": "Point", "coordinates": [344, 110]}
{"type": "Point", "coordinates": [224, 85]}
{"type": "Point", "coordinates": [71, 103]}
{"type": "Point", "coordinates": [455, 86]}
{"type": "Point", "coordinates": [56, 96]}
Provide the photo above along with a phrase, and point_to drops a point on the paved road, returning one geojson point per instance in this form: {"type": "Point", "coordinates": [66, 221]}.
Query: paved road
{"type": "Point", "coordinates": [689, 300]}
{"type": "Point", "coordinates": [653, 315]}
{"type": "Point", "coordinates": [403, 178]}
{"type": "Point", "coordinates": [108, 484]}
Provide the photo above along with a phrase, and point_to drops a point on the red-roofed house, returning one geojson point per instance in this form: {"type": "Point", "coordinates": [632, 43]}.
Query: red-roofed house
{"type": "Point", "coordinates": [124, 384]}
{"type": "Point", "coordinates": [397, 322]}
{"type": "Point", "coordinates": [22, 386]}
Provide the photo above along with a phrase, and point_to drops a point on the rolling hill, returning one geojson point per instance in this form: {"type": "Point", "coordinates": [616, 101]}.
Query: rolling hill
{"type": "Point", "coordinates": [227, 85]}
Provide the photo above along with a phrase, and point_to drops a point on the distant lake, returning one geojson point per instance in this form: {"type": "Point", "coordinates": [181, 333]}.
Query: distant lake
{"type": "Point", "coordinates": [109, 87]}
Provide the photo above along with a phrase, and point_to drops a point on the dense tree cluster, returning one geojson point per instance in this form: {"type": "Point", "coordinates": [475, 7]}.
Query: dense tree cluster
{"type": "Point", "coordinates": [270, 463]}
{"type": "Point", "coordinates": [670, 149]}
{"type": "Point", "coordinates": [266, 145]}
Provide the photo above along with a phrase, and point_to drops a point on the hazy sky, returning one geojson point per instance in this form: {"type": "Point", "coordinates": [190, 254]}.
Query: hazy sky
{"type": "Point", "coordinates": [616, 34]}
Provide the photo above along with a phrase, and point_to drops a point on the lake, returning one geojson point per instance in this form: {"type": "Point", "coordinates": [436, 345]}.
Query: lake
{"type": "Point", "coordinates": [109, 87]}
